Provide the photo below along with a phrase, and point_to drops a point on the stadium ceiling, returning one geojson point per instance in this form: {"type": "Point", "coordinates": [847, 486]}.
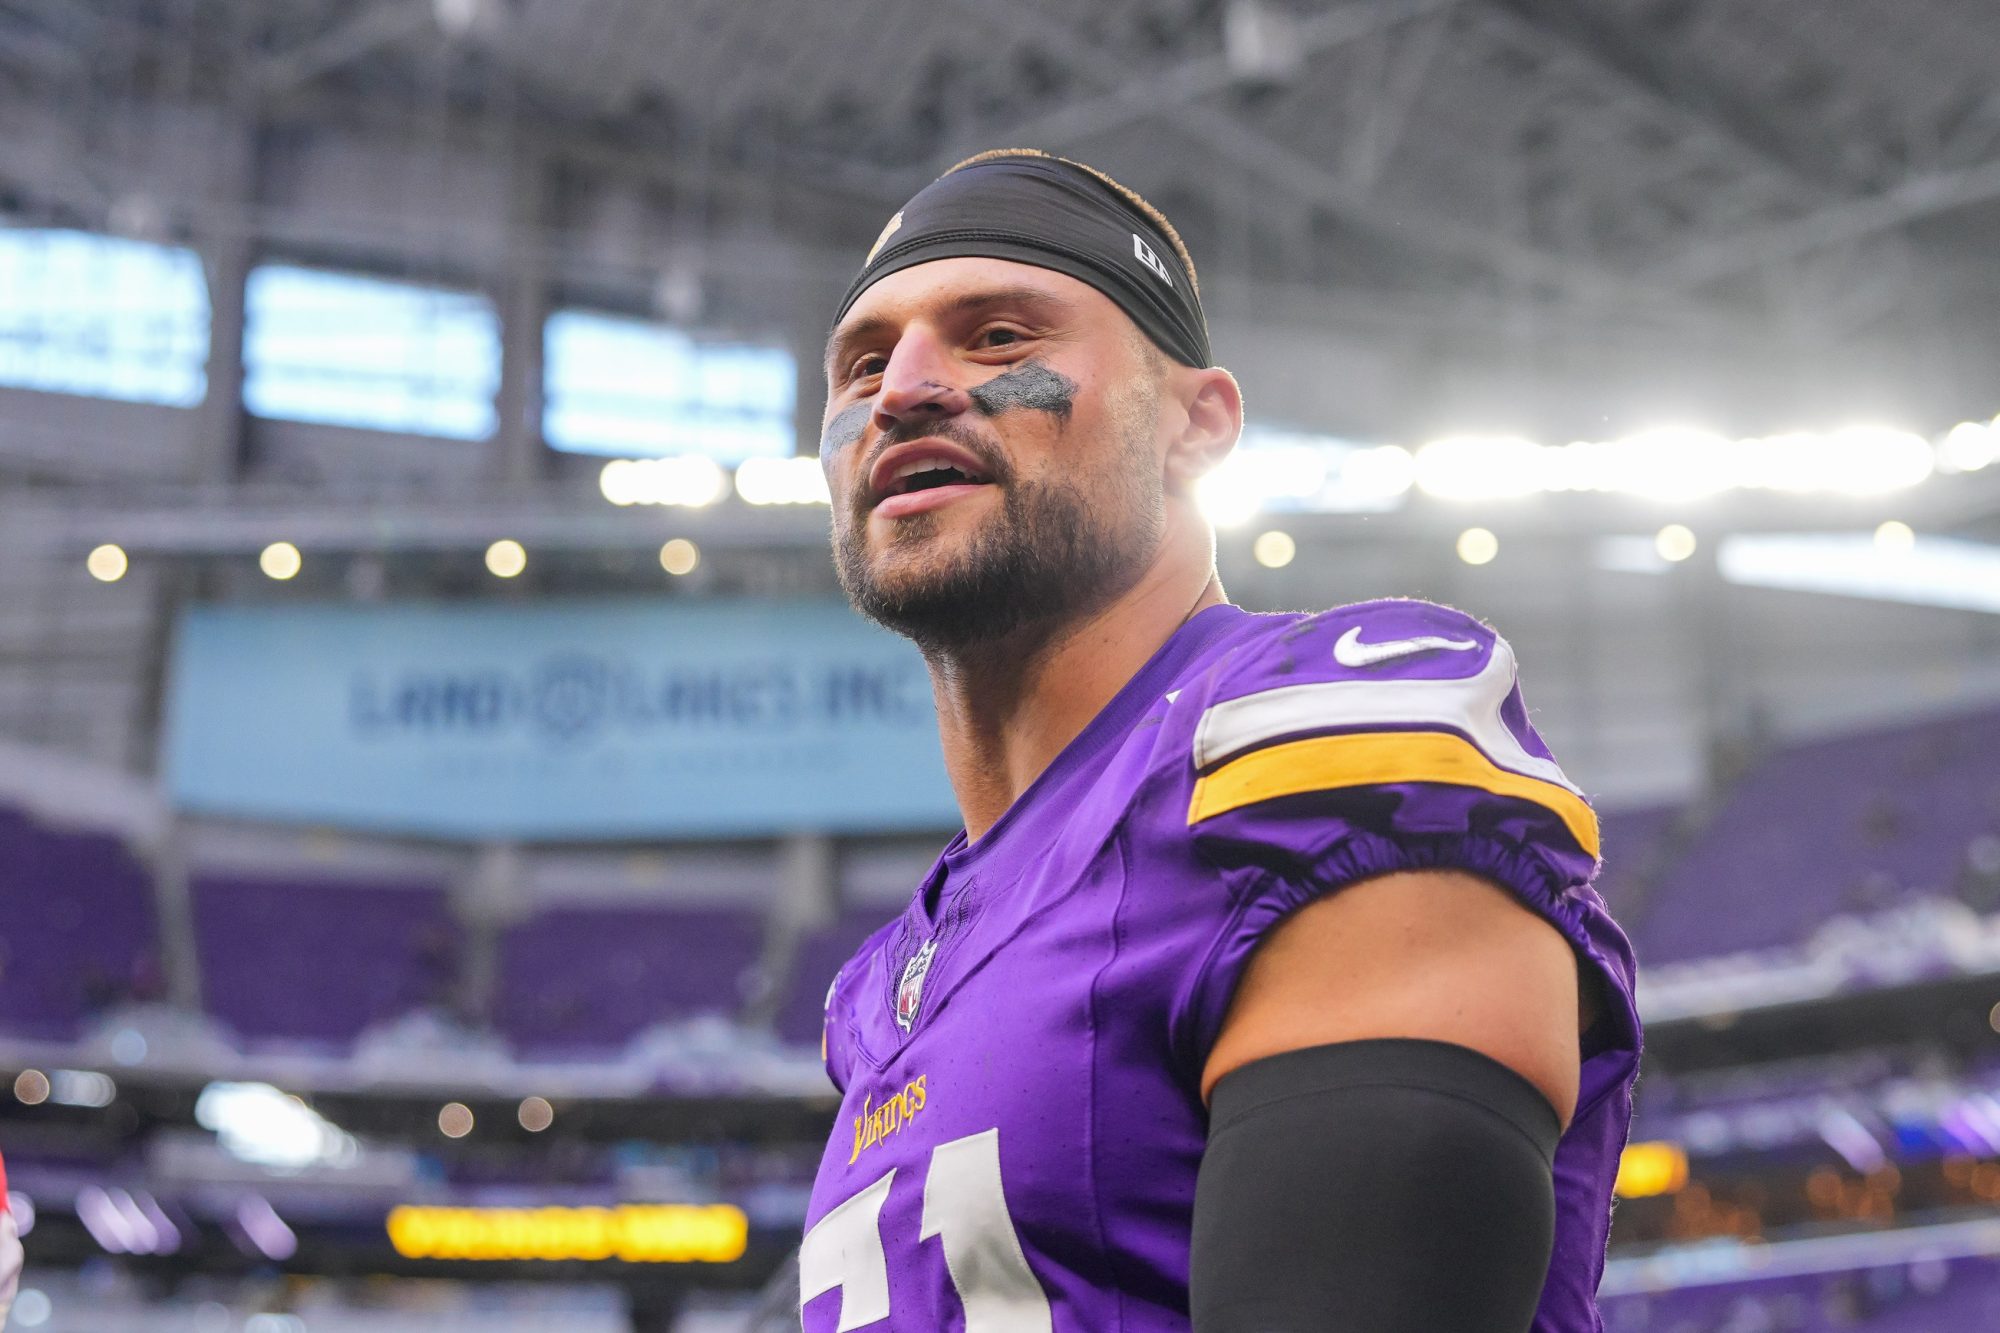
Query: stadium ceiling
{"type": "Point", "coordinates": [1412, 216]}
{"type": "Point", "coordinates": [1648, 155]}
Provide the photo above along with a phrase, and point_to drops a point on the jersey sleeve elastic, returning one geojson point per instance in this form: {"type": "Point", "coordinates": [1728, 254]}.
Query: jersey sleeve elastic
{"type": "Point", "coordinates": [1373, 738]}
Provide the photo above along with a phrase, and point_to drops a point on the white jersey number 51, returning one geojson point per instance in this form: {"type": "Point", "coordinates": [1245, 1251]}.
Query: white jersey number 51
{"type": "Point", "coordinates": [965, 1207]}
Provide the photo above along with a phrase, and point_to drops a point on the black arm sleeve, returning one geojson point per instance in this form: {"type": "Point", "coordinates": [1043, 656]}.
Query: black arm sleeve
{"type": "Point", "coordinates": [1374, 1187]}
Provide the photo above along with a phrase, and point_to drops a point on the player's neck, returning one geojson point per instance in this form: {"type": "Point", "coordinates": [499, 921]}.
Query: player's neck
{"type": "Point", "coordinates": [1006, 711]}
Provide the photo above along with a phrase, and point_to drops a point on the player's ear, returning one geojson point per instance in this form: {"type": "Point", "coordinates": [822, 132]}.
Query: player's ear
{"type": "Point", "coordinates": [1214, 406]}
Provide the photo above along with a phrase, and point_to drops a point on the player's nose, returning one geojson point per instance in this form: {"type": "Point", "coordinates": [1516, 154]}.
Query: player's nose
{"type": "Point", "coordinates": [921, 380]}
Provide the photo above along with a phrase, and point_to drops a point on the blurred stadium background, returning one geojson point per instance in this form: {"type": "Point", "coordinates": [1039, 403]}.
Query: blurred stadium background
{"type": "Point", "coordinates": [437, 781]}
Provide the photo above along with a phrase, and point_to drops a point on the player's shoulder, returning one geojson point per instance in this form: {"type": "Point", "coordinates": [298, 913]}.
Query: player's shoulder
{"type": "Point", "coordinates": [1378, 686]}
{"type": "Point", "coordinates": [1393, 638]}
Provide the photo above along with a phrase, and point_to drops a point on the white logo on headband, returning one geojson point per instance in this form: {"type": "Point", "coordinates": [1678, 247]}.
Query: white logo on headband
{"type": "Point", "coordinates": [1151, 260]}
{"type": "Point", "coordinates": [887, 231]}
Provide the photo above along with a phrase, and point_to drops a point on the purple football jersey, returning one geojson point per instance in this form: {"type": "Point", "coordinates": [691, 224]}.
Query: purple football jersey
{"type": "Point", "coordinates": [1020, 1053]}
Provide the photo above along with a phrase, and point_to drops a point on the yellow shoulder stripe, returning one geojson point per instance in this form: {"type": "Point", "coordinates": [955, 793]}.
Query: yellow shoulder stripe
{"type": "Point", "coordinates": [1366, 759]}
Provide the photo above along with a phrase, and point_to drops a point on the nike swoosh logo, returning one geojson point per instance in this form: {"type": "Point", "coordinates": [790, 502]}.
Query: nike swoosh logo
{"type": "Point", "coordinates": [1349, 651]}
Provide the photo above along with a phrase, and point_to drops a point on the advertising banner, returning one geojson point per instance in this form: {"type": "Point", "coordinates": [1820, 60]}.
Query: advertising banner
{"type": "Point", "coordinates": [598, 719]}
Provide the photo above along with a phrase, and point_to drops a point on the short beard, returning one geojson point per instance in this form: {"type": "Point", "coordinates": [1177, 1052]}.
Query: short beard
{"type": "Point", "coordinates": [1053, 556]}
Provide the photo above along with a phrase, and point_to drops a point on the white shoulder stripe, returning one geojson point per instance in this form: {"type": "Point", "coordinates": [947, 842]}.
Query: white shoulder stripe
{"type": "Point", "coordinates": [1469, 705]}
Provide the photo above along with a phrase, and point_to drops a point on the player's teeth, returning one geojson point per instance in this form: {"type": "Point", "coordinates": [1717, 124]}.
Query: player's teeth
{"type": "Point", "coordinates": [923, 465]}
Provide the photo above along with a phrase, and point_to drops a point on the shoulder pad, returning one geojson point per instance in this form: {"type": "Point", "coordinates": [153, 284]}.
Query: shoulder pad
{"type": "Point", "coordinates": [1368, 694]}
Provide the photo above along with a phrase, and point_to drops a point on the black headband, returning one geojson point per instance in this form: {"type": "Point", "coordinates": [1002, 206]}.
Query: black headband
{"type": "Point", "coordinates": [1055, 215]}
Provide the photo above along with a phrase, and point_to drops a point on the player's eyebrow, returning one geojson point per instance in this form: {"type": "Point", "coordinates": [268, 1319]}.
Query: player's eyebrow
{"type": "Point", "coordinates": [841, 342]}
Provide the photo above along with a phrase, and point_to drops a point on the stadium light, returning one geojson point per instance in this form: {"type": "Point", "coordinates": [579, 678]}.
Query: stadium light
{"type": "Point", "coordinates": [1299, 471]}
{"type": "Point", "coordinates": [1473, 467]}
{"type": "Point", "coordinates": [1894, 537]}
{"type": "Point", "coordinates": [81, 1087]}
{"type": "Point", "coordinates": [261, 1226]}
{"type": "Point", "coordinates": [108, 1225]}
{"type": "Point", "coordinates": [1679, 463]}
{"type": "Point", "coordinates": [1374, 478]}
{"type": "Point", "coordinates": [255, 1122]}
{"type": "Point", "coordinates": [782, 481]}
{"type": "Point", "coordinates": [1252, 478]}
{"type": "Point", "coordinates": [107, 563]}
{"type": "Point", "coordinates": [123, 1223]}
{"type": "Point", "coordinates": [1274, 549]}
{"type": "Point", "coordinates": [1666, 463]}
{"type": "Point", "coordinates": [535, 1114]}
{"type": "Point", "coordinates": [1857, 1146]}
{"type": "Point", "coordinates": [679, 556]}
{"type": "Point", "coordinates": [506, 558]}
{"type": "Point", "coordinates": [1674, 543]}
{"type": "Point", "coordinates": [1875, 460]}
{"type": "Point", "coordinates": [280, 561]}
{"type": "Point", "coordinates": [688, 480]}
{"type": "Point", "coordinates": [455, 1120]}
{"type": "Point", "coordinates": [1288, 471]}
{"type": "Point", "coordinates": [1477, 546]}
{"type": "Point", "coordinates": [31, 1087]}
{"type": "Point", "coordinates": [1970, 446]}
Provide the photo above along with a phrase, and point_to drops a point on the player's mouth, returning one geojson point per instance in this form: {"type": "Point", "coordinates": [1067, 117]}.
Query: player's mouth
{"type": "Point", "coordinates": [922, 475]}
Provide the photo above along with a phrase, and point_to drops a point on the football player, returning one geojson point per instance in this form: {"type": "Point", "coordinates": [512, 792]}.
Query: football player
{"type": "Point", "coordinates": [1265, 989]}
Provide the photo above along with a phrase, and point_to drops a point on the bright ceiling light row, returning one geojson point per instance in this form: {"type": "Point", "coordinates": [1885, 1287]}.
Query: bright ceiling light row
{"type": "Point", "coordinates": [692, 481]}
{"type": "Point", "coordinates": [1325, 474]}
{"type": "Point", "coordinates": [1970, 446]}
{"type": "Point", "coordinates": [1669, 463]}
{"type": "Point", "coordinates": [505, 559]}
{"type": "Point", "coordinates": [782, 481]}
{"type": "Point", "coordinates": [1672, 544]}
{"type": "Point", "coordinates": [1305, 477]}
{"type": "Point", "coordinates": [1279, 471]}
{"type": "Point", "coordinates": [1475, 546]}
{"type": "Point", "coordinates": [108, 562]}
{"type": "Point", "coordinates": [1677, 464]}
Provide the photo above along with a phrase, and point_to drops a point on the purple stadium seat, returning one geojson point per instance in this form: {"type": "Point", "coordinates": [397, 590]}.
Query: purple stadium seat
{"type": "Point", "coordinates": [77, 929]}
{"type": "Point", "coordinates": [1633, 841]}
{"type": "Point", "coordinates": [1851, 825]}
{"type": "Point", "coordinates": [314, 960]}
{"type": "Point", "coordinates": [575, 980]}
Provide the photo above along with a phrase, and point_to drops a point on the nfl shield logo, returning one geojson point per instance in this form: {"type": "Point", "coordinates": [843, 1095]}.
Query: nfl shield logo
{"type": "Point", "coordinates": [910, 993]}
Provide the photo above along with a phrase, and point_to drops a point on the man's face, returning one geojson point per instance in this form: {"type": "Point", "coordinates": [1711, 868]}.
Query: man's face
{"type": "Point", "coordinates": [990, 445]}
